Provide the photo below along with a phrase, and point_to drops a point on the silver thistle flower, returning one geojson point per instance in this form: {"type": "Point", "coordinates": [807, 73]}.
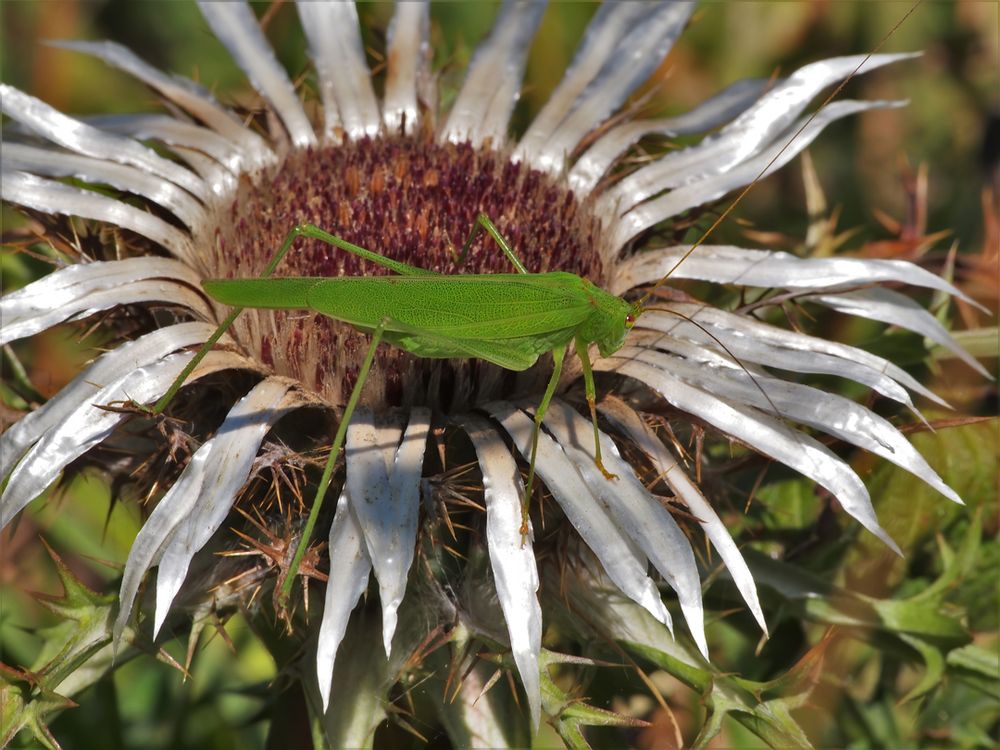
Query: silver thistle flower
{"type": "Point", "coordinates": [399, 175]}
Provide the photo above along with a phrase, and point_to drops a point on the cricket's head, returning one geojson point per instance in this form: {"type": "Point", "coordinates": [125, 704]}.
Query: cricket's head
{"type": "Point", "coordinates": [613, 324]}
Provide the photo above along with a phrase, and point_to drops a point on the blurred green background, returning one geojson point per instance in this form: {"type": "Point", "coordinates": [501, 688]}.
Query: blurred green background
{"type": "Point", "coordinates": [865, 166]}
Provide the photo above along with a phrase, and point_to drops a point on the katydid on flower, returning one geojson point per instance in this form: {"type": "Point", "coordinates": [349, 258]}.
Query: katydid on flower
{"type": "Point", "coordinates": [507, 319]}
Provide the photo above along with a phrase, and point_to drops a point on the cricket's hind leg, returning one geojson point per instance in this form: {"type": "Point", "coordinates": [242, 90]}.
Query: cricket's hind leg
{"type": "Point", "coordinates": [309, 231]}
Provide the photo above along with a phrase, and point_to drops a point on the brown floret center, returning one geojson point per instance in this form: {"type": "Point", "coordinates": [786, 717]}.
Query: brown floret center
{"type": "Point", "coordinates": [415, 201]}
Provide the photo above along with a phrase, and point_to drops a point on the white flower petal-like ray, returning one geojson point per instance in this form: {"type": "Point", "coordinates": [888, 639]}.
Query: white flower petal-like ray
{"type": "Point", "coordinates": [349, 558]}
{"type": "Point", "coordinates": [696, 193]}
{"type": "Point", "coordinates": [77, 136]}
{"type": "Point", "coordinates": [755, 129]}
{"type": "Point", "coordinates": [88, 425]}
{"type": "Point", "coordinates": [219, 179]}
{"type": "Point", "coordinates": [129, 356]}
{"type": "Point", "coordinates": [175, 133]}
{"type": "Point", "coordinates": [689, 494]}
{"type": "Point", "coordinates": [766, 434]}
{"type": "Point", "coordinates": [705, 343]}
{"type": "Point", "coordinates": [383, 488]}
{"type": "Point", "coordinates": [404, 481]}
{"type": "Point", "coordinates": [827, 412]}
{"type": "Point", "coordinates": [47, 163]}
{"type": "Point", "coordinates": [512, 558]}
{"type": "Point", "coordinates": [724, 264]}
{"type": "Point", "coordinates": [635, 511]}
{"type": "Point", "coordinates": [62, 286]}
{"type": "Point", "coordinates": [604, 34]}
{"type": "Point", "coordinates": [624, 563]}
{"type": "Point", "coordinates": [158, 530]}
{"type": "Point", "coordinates": [492, 85]}
{"type": "Point", "coordinates": [85, 288]}
{"type": "Point", "coordinates": [753, 341]}
{"type": "Point", "coordinates": [889, 306]}
{"type": "Point", "coordinates": [409, 55]}
{"type": "Point", "coordinates": [235, 25]}
{"type": "Point", "coordinates": [210, 155]}
{"type": "Point", "coordinates": [721, 108]}
{"type": "Point", "coordinates": [224, 472]}
{"type": "Point", "coordinates": [642, 48]}
{"type": "Point", "coordinates": [53, 197]}
{"type": "Point", "coordinates": [254, 150]}
{"type": "Point", "coordinates": [334, 37]}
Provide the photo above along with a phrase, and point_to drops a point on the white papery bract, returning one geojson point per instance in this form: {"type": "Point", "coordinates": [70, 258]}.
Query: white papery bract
{"type": "Point", "coordinates": [703, 361]}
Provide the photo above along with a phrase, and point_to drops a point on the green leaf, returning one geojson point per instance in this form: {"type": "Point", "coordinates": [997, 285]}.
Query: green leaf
{"type": "Point", "coordinates": [978, 667]}
{"type": "Point", "coordinates": [790, 504]}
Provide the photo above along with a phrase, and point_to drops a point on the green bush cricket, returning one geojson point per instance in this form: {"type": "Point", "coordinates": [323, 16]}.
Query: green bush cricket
{"type": "Point", "coordinates": [507, 319]}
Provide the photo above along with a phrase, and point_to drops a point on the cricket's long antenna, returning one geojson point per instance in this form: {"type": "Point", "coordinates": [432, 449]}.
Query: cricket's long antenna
{"type": "Point", "coordinates": [725, 348]}
{"type": "Point", "coordinates": [748, 188]}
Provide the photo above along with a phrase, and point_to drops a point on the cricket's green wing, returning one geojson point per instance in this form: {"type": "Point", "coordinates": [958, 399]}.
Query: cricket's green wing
{"type": "Point", "coordinates": [481, 307]}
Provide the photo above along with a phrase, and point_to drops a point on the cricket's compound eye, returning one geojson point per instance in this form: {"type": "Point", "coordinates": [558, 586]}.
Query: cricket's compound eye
{"type": "Point", "coordinates": [629, 320]}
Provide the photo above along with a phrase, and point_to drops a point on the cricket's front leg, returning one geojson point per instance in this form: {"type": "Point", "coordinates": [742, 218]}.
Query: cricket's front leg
{"type": "Point", "coordinates": [591, 392]}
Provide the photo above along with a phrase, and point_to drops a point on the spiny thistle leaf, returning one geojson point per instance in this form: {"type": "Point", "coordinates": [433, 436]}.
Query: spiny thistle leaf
{"type": "Point", "coordinates": [771, 721]}
{"type": "Point", "coordinates": [76, 596]}
{"type": "Point", "coordinates": [75, 653]}
{"type": "Point", "coordinates": [26, 705]}
{"type": "Point", "coordinates": [571, 712]}
{"type": "Point", "coordinates": [768, 711]}
{"type": "Point", "coordinates": [84, 628]}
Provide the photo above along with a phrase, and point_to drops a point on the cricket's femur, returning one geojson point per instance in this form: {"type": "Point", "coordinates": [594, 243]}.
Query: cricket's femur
{"type": "Point", "coordinates": [415, 201]}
